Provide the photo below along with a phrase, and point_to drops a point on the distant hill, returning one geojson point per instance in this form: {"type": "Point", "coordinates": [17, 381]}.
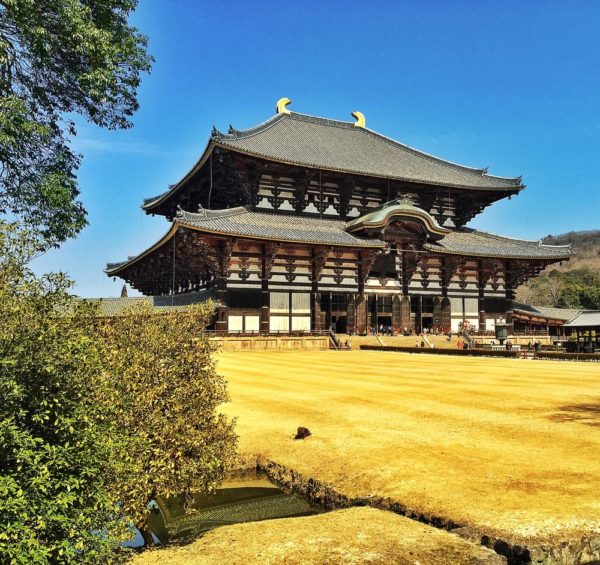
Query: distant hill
{"type": "Point", "coordinates": [586, 245]}
{"type": "Point", "coordinates": [575, 283]}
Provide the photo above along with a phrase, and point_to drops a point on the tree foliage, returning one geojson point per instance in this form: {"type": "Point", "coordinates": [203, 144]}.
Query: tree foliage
{"type": "Point", "coordinates": [167, 394]}
{"type": "Point", "coordinates": [60, 57]}
{"type": "Point", "coordinates": [577, 289]}
{"type": "Point", "coordinates": [97, 417]}
{"type": "Point", "coordinates": [59, 448]}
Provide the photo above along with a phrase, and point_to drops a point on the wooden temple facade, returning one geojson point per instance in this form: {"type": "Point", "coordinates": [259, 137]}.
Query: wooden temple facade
{"type": "Point", "coordinates": [305, 224]}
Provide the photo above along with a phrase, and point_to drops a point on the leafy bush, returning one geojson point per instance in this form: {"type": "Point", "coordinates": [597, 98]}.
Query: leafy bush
{"type": "Point", "coordinates": [59, 449]}
{"type": "Point", "coordinates": [167, 392]}
{"type": "Point", "coordinates": [97, 417]}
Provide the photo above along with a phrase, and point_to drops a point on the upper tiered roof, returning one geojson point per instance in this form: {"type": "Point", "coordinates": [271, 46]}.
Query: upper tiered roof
{"type": "Point", "coordinates": [339, 146]}
{"type": "Point", "coordinates": [334, 145]}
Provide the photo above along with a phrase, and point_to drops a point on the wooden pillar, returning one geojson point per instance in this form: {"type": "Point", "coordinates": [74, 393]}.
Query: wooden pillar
{"type": "Point", "coordinates": [268, 257]}
{"type": "Point", "coordinates": [316, 312]}
{"type": "Point", "coordinates": [328, 313]}
{"type": "Point", "coordinates": [481, 298]}
{"type": "Point", "coordinates": [265, 307]}
{"type": "Point", "coordinates": [374, 315]}
{"type": "Point", "coordinates": [350, 314]}
{"type": "Point", "coordinates": [419, 315]}
{"type": "Point", "coordinates": [361, 314]}
{"type": "Point", "coordinates": [437, 312]}
{"type": "Point", "coordinates": [222, 309]}
{"type": "Point", "coordinates": [405, 311]}
{"type": "Point", "coordinates": [445, 314]}
{"type": "Point", "coordinates": [509, 292]}
{"type": "Point", "coordinates": [397, 314]}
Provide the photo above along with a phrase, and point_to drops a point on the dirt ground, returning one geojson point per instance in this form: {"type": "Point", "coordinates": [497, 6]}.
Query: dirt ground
{"type": "Point", "coordinates": [356, 535]}
{"type": "Point", "coordinates": [510, 446]}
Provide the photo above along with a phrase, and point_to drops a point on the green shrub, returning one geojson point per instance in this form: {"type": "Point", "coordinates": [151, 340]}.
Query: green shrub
{"type": "Point", "coordinates": [59, 452]}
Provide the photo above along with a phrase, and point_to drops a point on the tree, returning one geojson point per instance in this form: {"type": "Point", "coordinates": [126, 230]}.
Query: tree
{"type": "Point", "coordinates": [162, 368]}
{"type": "Point", "coordinates": [60, 450]}
{"type": "Point", "coordinates": [60, 57]}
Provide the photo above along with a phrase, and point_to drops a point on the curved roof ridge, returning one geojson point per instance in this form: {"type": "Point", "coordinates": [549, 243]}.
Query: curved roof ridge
{"type": "Point", "coordinates": [521, 240]}
{"type": "Point", "coordinates": [248, 132]}
{"type": "Point", "coordinates": [206, 214]}
{"type": "Point", "coordinates": [564, 246]}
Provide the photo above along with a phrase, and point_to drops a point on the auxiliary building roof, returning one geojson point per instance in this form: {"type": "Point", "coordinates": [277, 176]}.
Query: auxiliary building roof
{"type": "Point", "coordinates": [339, 146]}
{"type": "Point", "coordinates": [108, 307]}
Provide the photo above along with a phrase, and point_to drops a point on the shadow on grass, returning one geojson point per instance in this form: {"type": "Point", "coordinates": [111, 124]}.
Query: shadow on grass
{"type": "Point", "coordinates": [583, 412]}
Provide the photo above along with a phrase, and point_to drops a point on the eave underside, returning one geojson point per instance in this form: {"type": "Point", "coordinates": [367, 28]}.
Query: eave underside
{"type": "Point", "coordinates": [189, 258]}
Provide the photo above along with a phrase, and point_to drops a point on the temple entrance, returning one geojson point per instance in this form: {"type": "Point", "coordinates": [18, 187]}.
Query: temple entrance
{"type": "Point", "coordinates": [421, 312]}
{"type": "Point", "coordinates": [339, 324]}
{"type": "Point", "coordinates": [427, 321]}
{"type": "Point", "coordinates": [386, 322]}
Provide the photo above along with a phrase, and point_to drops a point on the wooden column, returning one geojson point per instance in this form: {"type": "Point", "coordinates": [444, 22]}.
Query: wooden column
{"type": "Point", "coordinates": [224, 258]}
{"type": "Point", "coordinates": [350, 315]}
{"type": "Point", "coordinates": [328, 313]}
{"type": "Point", "coordinates": [405, 311]}
{"type": "Point", "coordinates": [319, 259]}
{"type": "Point", "coordinates": [445, 314]}
{"type": "Point", "coordinates": [396, 313]}
{"type": "Point", "coordinates": [509, 291]}
{"type": "Point", "coordinates": [361, 314]}
{"type": "Point", "coordinates": [437, 312]}
{"type": "Point", "coordinates": [419, 315]}
{"type": "Point", "coordinates": [316, 312]}
{"type": "Point", "coordinates": [268, 258]}
{"type": "Point", "coordinates": [481, 282]}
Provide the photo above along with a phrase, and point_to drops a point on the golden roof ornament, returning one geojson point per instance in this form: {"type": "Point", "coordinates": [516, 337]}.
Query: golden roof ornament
{"type": "Point", "coordinates": [360, 119]}
{"type": "Point", "coordinates": [281, 105]}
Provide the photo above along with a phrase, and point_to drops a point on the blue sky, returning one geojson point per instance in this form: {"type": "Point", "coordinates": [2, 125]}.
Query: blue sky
{"type": "Point", "coordinates": [510, 85]}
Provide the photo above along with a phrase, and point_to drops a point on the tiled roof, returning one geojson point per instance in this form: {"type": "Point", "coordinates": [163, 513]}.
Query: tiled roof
{"type": "Point", "coordinates": [585, 319]}
{"type": "Point", "coordinates": [244, 223]}
{"type": "Point", "coordinates": [178, 302]}
{"type": "Point", "coordinates": [340, 146]}
{"type": "Point", "coordinates": [481, 244]}
{"type": "Point", "coordinates": [547, 312]}
{"type": "Point", "coordinates": [332, 145]}
{"type": "Point", "coordinates": [263, 225]}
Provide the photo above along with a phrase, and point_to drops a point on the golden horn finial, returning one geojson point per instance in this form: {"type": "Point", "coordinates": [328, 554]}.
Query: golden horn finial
{"type": "Point", "coordinates": [360, 119]}
{"type": "Point", "coordinates": [281, 105]}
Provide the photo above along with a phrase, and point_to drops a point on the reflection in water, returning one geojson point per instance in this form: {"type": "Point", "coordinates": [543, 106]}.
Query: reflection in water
{"type": "Point", "coordinates": [235, 502]}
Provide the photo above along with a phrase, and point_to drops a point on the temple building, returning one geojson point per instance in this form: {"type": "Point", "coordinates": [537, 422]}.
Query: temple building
{"type": "Point", "coordinates": [304, 224]}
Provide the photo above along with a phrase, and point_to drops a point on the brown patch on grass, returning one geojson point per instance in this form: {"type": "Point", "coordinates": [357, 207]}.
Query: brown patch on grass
{"type": "Point", "coordinates": [587, 412]}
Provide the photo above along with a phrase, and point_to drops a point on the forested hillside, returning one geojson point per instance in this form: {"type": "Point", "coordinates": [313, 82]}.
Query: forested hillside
{"type": "Point", "coordinates": [575, 283]}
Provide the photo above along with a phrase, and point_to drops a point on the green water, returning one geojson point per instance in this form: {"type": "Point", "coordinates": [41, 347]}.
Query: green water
{"type": "Point", "coordinates": [248, 500]}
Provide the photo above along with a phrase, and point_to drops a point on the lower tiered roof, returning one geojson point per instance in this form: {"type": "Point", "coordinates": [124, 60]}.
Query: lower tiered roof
{"type": "Point", "coordinates": [243, 223]}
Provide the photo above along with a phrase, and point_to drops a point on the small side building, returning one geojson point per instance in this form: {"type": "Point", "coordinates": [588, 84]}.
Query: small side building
{"type": "Point", "coordinates": [586, 329]}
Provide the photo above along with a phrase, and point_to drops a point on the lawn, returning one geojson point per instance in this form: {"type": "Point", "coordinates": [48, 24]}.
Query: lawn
{"type": "Point", "coordinates": [508, 446]}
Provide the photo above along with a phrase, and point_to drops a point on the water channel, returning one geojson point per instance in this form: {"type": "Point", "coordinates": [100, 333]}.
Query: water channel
{"type": "Point", "coordinates": [238, 500]}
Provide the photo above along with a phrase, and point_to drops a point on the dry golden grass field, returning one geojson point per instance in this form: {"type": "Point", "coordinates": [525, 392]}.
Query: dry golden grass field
{"type": "Point", "coordinates": [509, 446]}
{"type": "Point", "coordinates": [353, 536]}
